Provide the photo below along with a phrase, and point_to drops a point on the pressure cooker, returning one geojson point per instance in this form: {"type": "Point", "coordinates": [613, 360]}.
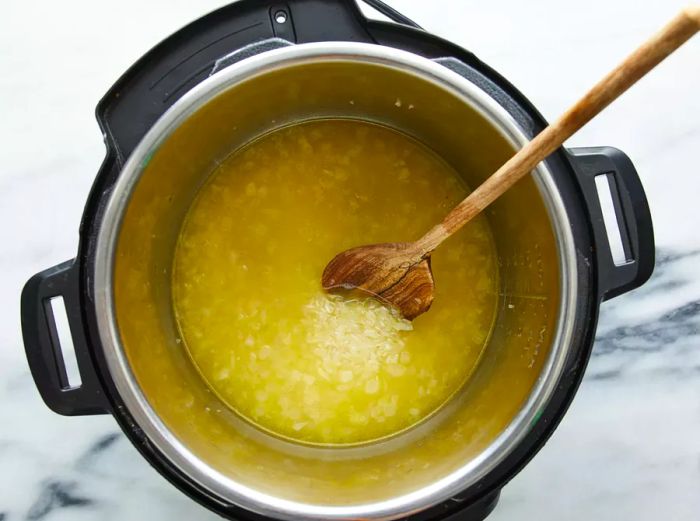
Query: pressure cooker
{"type": "Point", "coordinates": [251, 67]}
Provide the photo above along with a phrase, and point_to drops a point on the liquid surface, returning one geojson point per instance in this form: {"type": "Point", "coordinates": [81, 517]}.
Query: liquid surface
{"type": "Point", "coordinates": [246, 283]}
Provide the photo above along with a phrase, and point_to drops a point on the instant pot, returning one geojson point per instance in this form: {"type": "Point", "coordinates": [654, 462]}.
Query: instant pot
{"type": "Point", "coordinates": [249, 68]}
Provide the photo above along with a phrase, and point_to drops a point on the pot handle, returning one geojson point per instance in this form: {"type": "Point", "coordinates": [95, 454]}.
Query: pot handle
{"type": "Point", "coordinates": [43, 348]}
{"type": "Point", "coordinates": [632, 216]}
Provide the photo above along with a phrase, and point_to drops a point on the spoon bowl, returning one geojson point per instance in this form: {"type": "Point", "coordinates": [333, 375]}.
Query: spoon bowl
{"type": "Point", "coordinates": [395, 273]}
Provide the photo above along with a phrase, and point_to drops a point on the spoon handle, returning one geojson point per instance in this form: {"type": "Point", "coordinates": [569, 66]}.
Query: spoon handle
{"type": "Point", "coordinates": [626, 74]}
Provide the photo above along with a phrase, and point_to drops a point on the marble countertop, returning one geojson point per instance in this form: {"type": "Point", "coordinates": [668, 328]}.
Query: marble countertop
{"type": "Point", "coordinates": [629, 448]}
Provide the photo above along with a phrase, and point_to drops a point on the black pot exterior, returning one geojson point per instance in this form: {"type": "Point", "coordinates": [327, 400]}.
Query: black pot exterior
{"type": "Point", "coordinates": [186, 58]}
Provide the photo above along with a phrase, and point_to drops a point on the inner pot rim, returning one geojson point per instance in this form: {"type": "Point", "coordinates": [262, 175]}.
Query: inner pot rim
{"type": "Point", "coordinates": [166, 442]}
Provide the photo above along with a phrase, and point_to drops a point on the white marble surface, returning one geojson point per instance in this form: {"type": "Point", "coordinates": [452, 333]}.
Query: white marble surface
{"type": "Point", "coordinates": [630, 446]}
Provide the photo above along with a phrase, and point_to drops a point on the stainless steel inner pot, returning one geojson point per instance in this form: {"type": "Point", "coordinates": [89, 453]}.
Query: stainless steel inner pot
{"type": "Point", "coordinates": [171, 404]}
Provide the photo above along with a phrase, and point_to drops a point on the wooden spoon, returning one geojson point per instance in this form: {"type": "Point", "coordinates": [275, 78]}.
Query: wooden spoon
{"type": "Point", "coordinates": [399, 273]}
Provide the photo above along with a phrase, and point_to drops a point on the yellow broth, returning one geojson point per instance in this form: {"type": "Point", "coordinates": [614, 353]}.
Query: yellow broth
{"type": "Point", "coordinates": [246, 283]}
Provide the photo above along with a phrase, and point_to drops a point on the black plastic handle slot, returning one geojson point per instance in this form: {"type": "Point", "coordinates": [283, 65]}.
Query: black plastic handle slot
{"type": "Point", "coordinates": [615, 224]}
{"type": "Point", "coordinates": [631, 214]}
{"type": "Point", "coordinates": [391, 13]}
{"type": "Point", "coordinates": [42, 344]}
